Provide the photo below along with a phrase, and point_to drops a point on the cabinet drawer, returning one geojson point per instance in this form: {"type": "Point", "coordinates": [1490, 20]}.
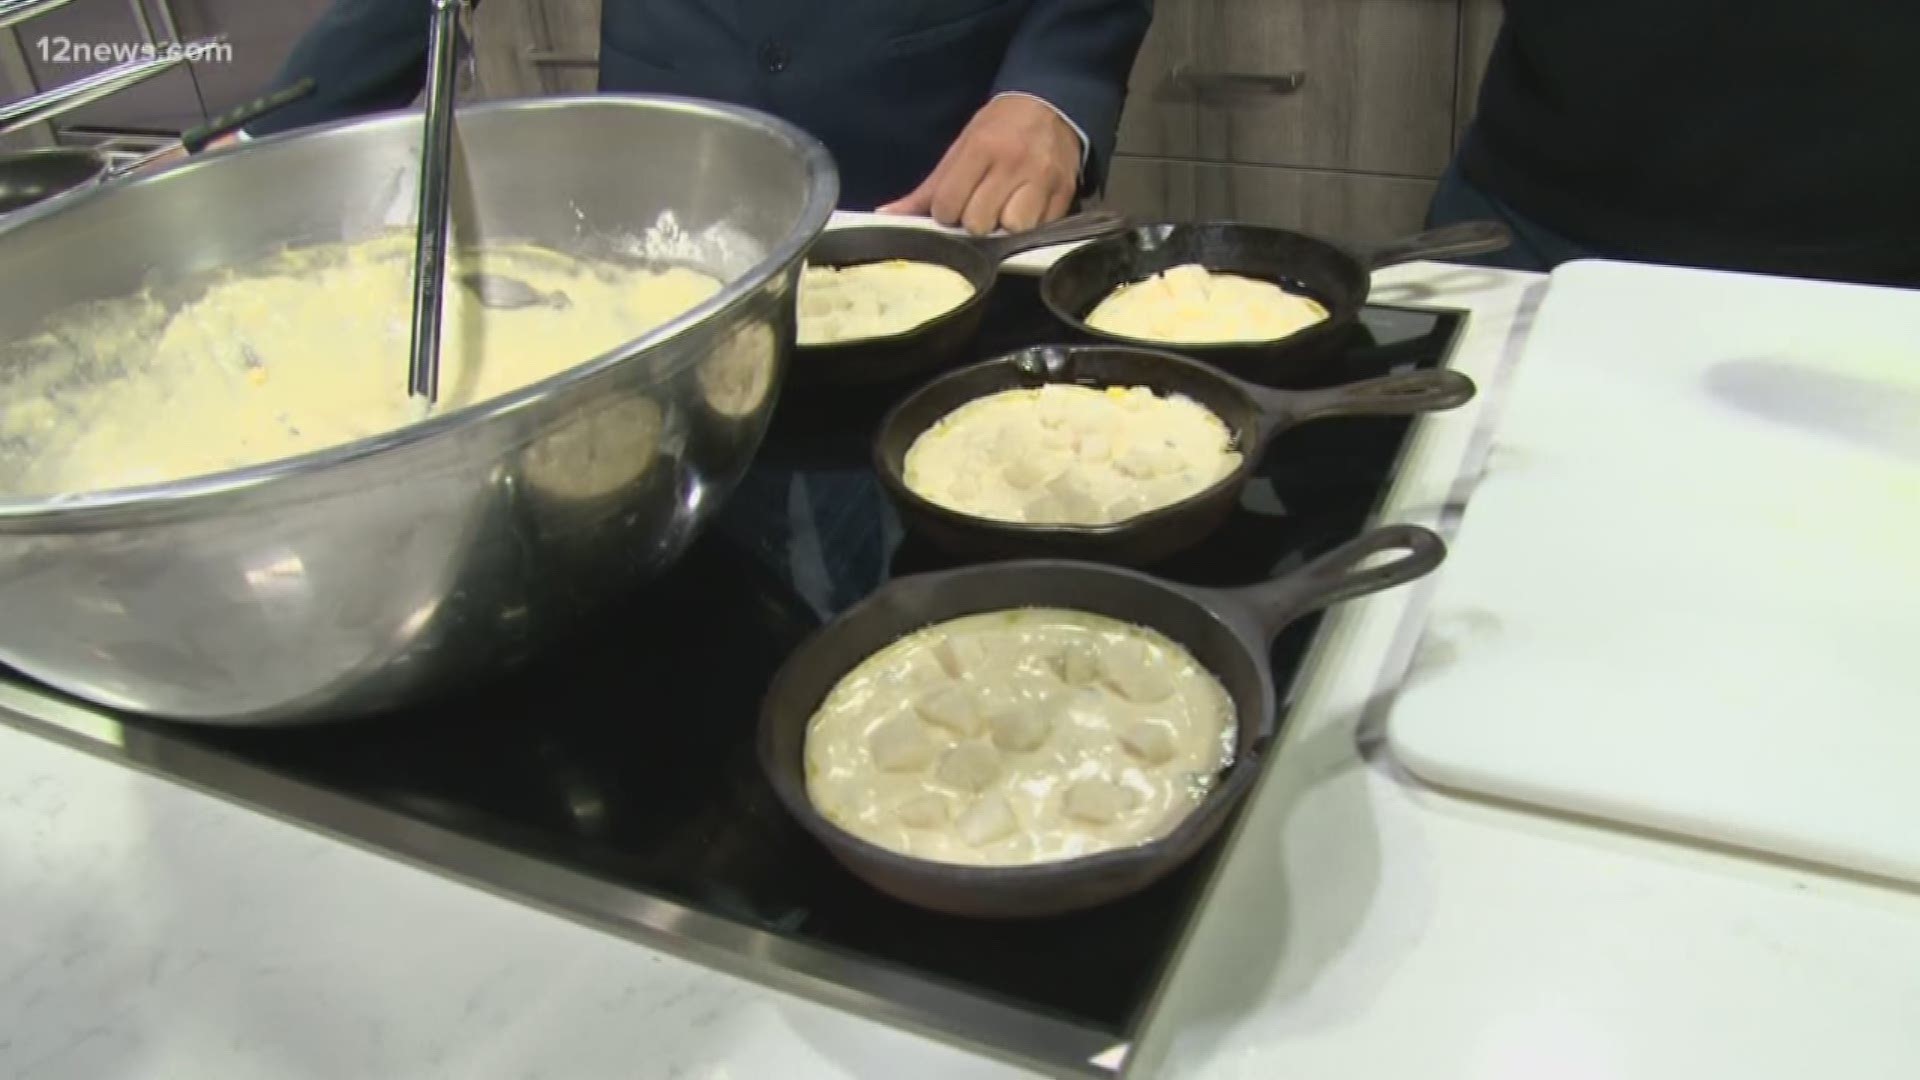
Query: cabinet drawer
{"type": "Point", "coordinates": [1341, 206]}
{"type": "Point", "coordinates": [1375, 93]}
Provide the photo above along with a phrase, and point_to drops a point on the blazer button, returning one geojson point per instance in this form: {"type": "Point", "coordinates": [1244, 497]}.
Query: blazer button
{"type": "Point", "coordinates": [774, 57]}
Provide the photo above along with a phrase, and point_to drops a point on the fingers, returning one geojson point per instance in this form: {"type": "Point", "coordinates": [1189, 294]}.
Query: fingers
{"type": "Point", "coordinates": [1026, 209]}
{"type": "Point", "coordinates": [1014, 167]}
{"type": "Point", "coordinates": [956, 180]}
{"type": "Point", "coordinates": [987, 205]}
{"type": "Point", "coordinates": [1059, 201]}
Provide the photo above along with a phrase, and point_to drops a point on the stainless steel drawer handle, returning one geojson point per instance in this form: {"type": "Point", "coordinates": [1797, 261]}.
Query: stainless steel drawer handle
{"type": "Point", "coordinates": [563, 59]}
{"type": "Point", "coordinates": [1209, 84]}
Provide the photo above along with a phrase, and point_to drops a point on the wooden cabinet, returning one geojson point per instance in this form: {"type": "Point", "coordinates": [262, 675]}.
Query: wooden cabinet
{"type": "Point", "coordinates": [525, 48]}
{"type": "Point", "coordinates": [1332, 117]}
{"type": "Point", "coordinates": [1363, 85]}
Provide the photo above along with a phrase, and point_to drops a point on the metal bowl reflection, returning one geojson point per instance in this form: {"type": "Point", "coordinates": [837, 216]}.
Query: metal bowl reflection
{"type": "Point", "coordinates": [362, 578]}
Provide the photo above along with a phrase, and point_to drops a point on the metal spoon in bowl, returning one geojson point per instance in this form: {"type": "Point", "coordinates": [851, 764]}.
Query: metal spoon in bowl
{"type": "Point", "coordinates": [504, 293]}
{"type": "Point", "coordinates": [436, 163]}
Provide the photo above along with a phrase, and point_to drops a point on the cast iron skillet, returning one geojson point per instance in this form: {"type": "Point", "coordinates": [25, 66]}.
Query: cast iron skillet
{"type": "Point", "coordinates": [901, 357]}
{"type": "Point", "coordinates": [1337, 278]}
{"type": "Point", "coordinates": [31, 176]}
{"type": "Point", "coordinates": [1228, 631]}
{"type": "Point", "coordinates": [1253, 414]}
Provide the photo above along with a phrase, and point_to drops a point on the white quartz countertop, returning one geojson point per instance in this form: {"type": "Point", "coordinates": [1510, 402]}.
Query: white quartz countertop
{"type": "Point", "coordinates": [1365, 926]}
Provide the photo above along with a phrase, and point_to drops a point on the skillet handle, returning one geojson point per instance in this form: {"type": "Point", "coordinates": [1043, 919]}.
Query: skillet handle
{"type": "Point", "coordinates": [1448, 242]}
{"type": "Point", "coordinates": [1089, 225]}
{"type": "Point", "coordinates": [1407, 394]}
{"type": "Point", "coordinates": [1336, 576]}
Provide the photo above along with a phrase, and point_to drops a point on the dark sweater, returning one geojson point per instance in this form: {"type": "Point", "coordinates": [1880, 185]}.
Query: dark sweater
{"type": "Point", "coordinates": [1744, 134]}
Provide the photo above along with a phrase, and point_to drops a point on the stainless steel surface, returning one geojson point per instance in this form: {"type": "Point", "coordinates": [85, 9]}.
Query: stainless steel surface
{"type": "Point", "coordinates": [884, 993]}
{"type": "Point", "coordinates": [84, 91]}
{"type": "Point", "coordinates": [354, 579]}
{"type": "Point", "coordinates": [432, 221]}
{"type": "Point", "coordinates": [14, 11]}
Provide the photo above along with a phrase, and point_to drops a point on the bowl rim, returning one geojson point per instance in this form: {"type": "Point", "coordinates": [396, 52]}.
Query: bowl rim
{"type": "Point", "coordinates": [823, 194]}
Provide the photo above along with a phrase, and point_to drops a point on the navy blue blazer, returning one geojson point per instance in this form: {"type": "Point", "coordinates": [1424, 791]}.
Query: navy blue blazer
{"type": "Point", "coordinates": [887, 85]}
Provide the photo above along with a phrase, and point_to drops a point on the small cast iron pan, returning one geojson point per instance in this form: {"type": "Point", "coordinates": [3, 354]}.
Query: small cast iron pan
{"type": "Point", "coordinates": [1337, 278]}
{"type": "Point", "coordinates": [1228, 631]}
{"type": "Point", "coordinates": [1253, 415]}
{"type": "Point", "coordinates": [901, 357]}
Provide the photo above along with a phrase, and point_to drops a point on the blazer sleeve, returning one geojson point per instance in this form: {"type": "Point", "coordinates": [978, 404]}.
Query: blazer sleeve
{"type": "Point", "coordinates": [362, 55]}
{"type": "Point", "coordinates": [1076, 55]}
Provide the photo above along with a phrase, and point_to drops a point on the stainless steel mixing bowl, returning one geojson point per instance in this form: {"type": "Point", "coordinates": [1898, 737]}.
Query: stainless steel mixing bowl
{"type": "Point", "coordinates": [354, 580]}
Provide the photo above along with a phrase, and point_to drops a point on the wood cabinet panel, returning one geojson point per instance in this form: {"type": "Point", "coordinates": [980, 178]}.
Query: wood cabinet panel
{"type": "Point", "coordinates": [528, 48]}
{"type": "Point", "coordinates": [1350, 207]}
{"type": "Point", "coordinates": [1376, 94]}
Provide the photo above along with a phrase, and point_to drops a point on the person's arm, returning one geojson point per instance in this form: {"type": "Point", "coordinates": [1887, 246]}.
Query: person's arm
{"type": "Point", "coordinates": [1076, 55]}
{"type": "Point", "coordinates": [1047, 135]}
{"type": "Point", "coordinates": [363, 56]}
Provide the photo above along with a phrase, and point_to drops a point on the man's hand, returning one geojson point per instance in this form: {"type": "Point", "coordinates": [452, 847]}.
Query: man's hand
{"type": "Point", "coordinates": [1017, 165]}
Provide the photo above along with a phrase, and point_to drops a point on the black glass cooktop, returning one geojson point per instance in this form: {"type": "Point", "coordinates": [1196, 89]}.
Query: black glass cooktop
{"type": "Point", "coordinates": [616, 780]}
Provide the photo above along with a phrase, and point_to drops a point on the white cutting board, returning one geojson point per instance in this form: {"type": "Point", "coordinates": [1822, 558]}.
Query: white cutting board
{"type": "Point", "coordinates": [1686, 594]}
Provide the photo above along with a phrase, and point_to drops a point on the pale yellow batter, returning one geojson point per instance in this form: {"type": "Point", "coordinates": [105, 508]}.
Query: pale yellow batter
{"type": "Point", "coordinates": [1191, 305]}
{"type": "Point", "coordinates": [1019, 737]}
{"type": "Point", "coordinates": [307, 350]}
{"type": "Point", "coordinates": [846, 303]}
{"type": "Point", "coordinates": [1064, 454]}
